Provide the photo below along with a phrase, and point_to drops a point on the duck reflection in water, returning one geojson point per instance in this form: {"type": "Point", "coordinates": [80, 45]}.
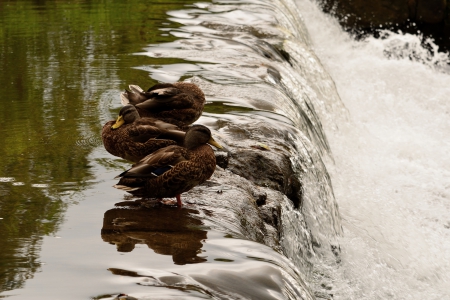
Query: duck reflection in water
{"type": "Point", "coordinates": [165, 230]}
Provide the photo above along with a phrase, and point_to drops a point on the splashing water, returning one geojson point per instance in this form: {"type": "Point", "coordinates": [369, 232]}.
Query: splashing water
{"type": "Point", "coordinates": [392, 162]}
{"type": "Point", "coordinates": [410, 47]}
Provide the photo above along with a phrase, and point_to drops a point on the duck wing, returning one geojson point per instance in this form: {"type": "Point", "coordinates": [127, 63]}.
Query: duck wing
{"type": "Point", "coordinates": [146, 128]}
{"type": "Point", "coordinates": [133, 96]}
{"type": "Point", "coordinates": [158, 104]}
{"type": "Point", "coordinates": [163, 93]}
{"type": "Point", "coordinates": [143, 133]}
{"type": "Point", "coordinates": [130, 97]}
{"type": "Point", "coordinates": [157, 163]}
{"type": "Point", "coordinates": [135, 88]}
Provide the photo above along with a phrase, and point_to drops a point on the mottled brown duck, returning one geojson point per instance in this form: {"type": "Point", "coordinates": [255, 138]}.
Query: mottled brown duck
{"type": "Point", "coordinates": [179, 103]}
{"type": "Point", "coordinates": [173, 170]}
{"type": "Point", "coordinates": [132, 137]}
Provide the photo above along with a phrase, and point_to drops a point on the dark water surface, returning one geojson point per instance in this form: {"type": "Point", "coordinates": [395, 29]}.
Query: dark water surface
{"type": "Point", "coordinates": [63, 63]}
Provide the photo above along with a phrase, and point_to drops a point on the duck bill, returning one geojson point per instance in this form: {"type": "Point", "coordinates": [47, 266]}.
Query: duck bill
{"type": "Point", "coordinates": [119, 122]}
{"type": "Point", "coordinates": [212, 142]}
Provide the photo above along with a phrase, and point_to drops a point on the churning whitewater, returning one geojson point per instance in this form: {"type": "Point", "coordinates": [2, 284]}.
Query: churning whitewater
{"type": "Point", "coordinates": [391, 165]}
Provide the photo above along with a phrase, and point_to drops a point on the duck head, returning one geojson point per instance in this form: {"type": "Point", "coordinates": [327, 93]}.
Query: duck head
{"type": "Point", "coordinates": [198, 135]}
{"type": "Point", "coordinates": [128, 114]}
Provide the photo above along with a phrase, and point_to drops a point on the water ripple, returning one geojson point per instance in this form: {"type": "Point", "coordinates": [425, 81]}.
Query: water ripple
{"type": "Point", "coordinates": [7, 179]}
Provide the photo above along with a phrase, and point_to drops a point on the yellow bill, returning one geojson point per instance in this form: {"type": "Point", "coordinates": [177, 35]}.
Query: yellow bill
{"type": "Point", "coordinates": [212, 142]}
{"type": "Point", "coordinates": [119, 122]}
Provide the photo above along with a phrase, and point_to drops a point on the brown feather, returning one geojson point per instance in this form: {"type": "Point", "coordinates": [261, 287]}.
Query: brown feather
{"type": "Point", "coordinates": [181, 178]}
{"type": "Point", "coordinates": [179, 103]}
{"type": "Point", "coordinates": [135, 140]}
{"type": "Point", "coordinates": [186, 167]}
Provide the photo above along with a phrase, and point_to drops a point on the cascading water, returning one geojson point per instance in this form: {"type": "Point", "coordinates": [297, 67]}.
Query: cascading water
{"type": "Point", "coordinates": [391, 161]}
{"type": "Point", "coordinates": [241, 56]}
{"type": "Point", "coordinates": [388, 153]}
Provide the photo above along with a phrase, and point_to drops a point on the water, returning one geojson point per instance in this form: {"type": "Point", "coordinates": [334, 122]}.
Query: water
{"type": "Point", "coordinates": [65, 77]}
{"type": "Point", "coordinates": [380, 143]}
{"type": "Point", "coordinates": [391, 162]}
{"type": "Point", "coordinates": [56, 65]}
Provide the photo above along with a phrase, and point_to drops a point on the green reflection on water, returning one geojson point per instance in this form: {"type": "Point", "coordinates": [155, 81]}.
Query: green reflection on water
{"type": "Point", "coordinates": [57, 59]}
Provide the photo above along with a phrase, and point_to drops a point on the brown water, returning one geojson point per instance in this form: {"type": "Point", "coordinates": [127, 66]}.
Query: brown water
{"type": "Point", "coordinates": [62, 63]}
{"type": "Point", "coordinates": [63, 66]}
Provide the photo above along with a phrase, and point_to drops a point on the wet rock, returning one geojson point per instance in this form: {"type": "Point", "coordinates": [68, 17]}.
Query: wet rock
{"type": "Point", "coordinates": [271, 211]}
{"type": "Point", "coordinates": [322, 295]}
{"type": "Point", "coordinates": [120, 296]}
{"type": "Point", "coordinates": [257, 154]}
{"type": "Point", "coordinates": [430, 17]}
{"type": "Point", "coordinates": [222, 159]}
{"type": "Point", "coordinates": [336, 249]}
{"type": "Point", "coordinates": [364, 14]}
{"type": "Point", "coordinates": [431, 11]}
{"type": "Point", "coordinates": [259, 195]}
{"type": "Point", "coordinates": [267, 169]}
{"type": "Point", "coordinates": [124, 297]}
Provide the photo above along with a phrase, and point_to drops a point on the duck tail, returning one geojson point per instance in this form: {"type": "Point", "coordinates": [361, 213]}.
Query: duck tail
{"type": "Point", "coordinates": [121, 174]}
{"type": "Point", "coordinates": [135, 88]}
{"type": "Point", "coordinates": [124, 98]}
{"type": "Point", "coordinates": [126, 188]}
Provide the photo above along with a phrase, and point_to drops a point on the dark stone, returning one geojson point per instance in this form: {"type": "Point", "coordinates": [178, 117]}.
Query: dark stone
{"type": "Point", "coordinates": [222, 159]}
{"type": "Point", "coordinates": [431, 11]}
{"type": "Point", "coordinates": [265, 169]}
{"type": "Point", "coordinates": [322, 295]}
{"type": "Point", "coordinates": [430, 17]}
{"type": "Point", "coordinates": [364, 14]}
{"type": "Point", "coordinates": [271, 214]}
{"type": "Point", "coordinates": [260, 196]}
{"type": "Point", "coordinates": [336, 249]}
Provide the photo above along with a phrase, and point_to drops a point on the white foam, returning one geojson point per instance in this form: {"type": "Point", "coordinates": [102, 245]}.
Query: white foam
{"type": "Point", "coordinates": [392, 162]}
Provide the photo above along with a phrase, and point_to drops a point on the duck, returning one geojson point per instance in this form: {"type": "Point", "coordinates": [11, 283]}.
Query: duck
{"type": "Point", "coordinates": [179, 103]}
{"type": "Point", "coordinates": [132, 137]}
{"type": "Point", "coordinates": [173, 170]}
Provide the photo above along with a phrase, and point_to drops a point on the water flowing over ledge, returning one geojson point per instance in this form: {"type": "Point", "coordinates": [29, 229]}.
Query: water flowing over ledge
{"type": "Point", "coordinates": [255, 230]}
{"type": "Point", "coordinates": [264, 86]}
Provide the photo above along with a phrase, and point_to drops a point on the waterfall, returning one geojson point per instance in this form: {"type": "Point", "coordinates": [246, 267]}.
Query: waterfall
{"type": "Point", "coordinates": [258, 55]}
{"type": "Point", "coordinates": [391, 161]}
{"type": "Point", "coordinates": [372, 124]}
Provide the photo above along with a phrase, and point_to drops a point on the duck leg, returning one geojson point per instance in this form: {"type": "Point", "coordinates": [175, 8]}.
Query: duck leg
{"type": "Point", "coordinates": [172, 202]}
{"type": "Point", "coordinates": [179, 203]}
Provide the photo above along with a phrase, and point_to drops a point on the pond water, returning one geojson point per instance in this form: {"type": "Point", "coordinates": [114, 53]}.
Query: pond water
{"type": "Point", "coordinates": [58, 58]}
{"type": "Point", "coordinates": [64, 65]}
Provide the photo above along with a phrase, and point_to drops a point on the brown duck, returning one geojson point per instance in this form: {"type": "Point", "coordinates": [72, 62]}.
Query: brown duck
{"type": "Point", "coordinates": [132, 137]}
{"type": "Point", "coordinates": [173, 170]}
{"type": "Point", "coordinates": [180, 103]}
